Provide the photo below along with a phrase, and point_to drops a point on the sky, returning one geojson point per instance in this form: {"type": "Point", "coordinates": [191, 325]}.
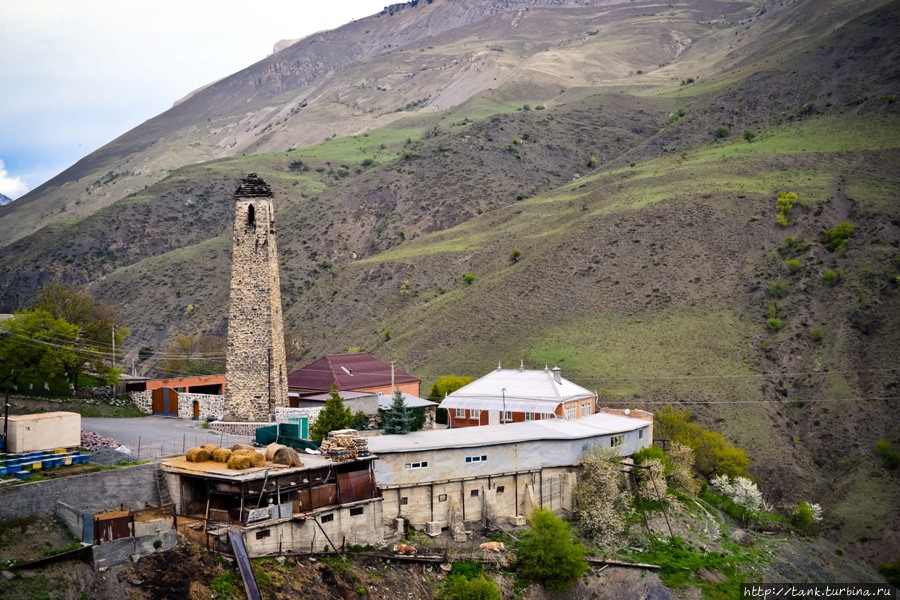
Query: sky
{"type": "Point", "coordinates": [79, 73]}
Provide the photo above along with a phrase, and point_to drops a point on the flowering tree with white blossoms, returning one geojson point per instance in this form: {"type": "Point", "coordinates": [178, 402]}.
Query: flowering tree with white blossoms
{"type": "Point", "coordinates": [806, 515]}
{"type": "Point", "coordinates": [741, 491]}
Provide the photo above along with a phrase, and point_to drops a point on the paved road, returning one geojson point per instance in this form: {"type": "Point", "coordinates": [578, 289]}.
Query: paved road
{"type": "Point", "coordinates": [158, 436]}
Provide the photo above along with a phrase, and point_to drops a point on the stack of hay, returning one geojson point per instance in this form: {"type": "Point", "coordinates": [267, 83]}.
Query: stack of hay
{"type": "Point", "coordinates": [280, 454]}
{"type": "Point", "coordinates": [244, 457]}
{"type": "Point", "coordinates": [344, 444]}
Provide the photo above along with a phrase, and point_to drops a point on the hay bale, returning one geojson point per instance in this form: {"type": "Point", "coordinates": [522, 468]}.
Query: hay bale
{"type": "Point", "coordinates": [256, 459]}
{"type": "Point", "coordinates": [242, 447]}
{"type": "Point", "coordinates": [221, 455]}
{"type": "Point", "coordinates": [271, 449]}
{"type": "Point", "coordinates": [238, 461]}
{"type": "Point", "coordinates": [287, 456]}
{"type": "Point", "coordinates": [210, 447]}
{"type": "Point", "coordinates": [198, 455]}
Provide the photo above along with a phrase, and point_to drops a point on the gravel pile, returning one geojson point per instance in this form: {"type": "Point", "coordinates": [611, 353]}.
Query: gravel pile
{"type": "Point", "coordinates": [107, 456]}
{"type": "Point", "coordinates": [92, 441]}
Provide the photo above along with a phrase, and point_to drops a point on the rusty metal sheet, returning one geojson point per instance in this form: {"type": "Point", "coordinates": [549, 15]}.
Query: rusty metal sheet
{"type": "Point", "coordinates": [355, 486]}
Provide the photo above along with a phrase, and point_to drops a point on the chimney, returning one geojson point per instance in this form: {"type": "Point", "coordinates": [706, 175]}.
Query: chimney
{"type": "Point", "coordinates": [557, 375]}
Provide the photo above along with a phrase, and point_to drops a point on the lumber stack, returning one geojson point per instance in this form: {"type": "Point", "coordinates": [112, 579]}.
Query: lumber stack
{"type": "Point", "coordinates": [344, 444]}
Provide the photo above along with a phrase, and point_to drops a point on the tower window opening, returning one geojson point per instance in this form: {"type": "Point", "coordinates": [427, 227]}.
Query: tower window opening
{"type": "Point", "coordinates": [251, 215]}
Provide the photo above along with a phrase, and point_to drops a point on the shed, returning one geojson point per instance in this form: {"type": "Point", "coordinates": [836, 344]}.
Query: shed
{"type": "Point", "coordinates": [44, 431]}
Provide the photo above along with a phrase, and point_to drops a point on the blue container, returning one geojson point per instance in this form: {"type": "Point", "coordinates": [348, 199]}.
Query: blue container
{"type": "Point", "coordinates": [2, 471]}
{"type": "Point", "coordinates": [13, 468]}
{"type": "Point", "coordinates": [22, 475]}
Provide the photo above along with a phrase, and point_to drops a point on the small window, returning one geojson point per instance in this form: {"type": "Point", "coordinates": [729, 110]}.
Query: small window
{"type": "Point", "coordinates": [475, 414]}
{"type": "Point", "coordinates": [500, 489]}
{"type": "Point", "coordinates": [442, 497]}
{"type": "Point", "coordinates": [251, 215]}
{"type": "Point", "coordinates": [473, 493]}
{"type": "Point", "coordinates": [471, 459]}
{"type": "Point", "coordinates": [264, 533]}
{"type": "Point", "coordinates": [507, 415]}
{"type": "Point", "coordinates": [460, 413]}
{"type": "Point", "coordinates": [640, 434]}
{"type": "Point", "coordinates": [416, 465]}
{"type": "Point", "coordinates": [616, 440]}
{"type": "Point", "coordinates": [546, 415]}
{"type": "Point", "coordinates": [327, 518]}
{"type": "Point", "coordinates": [404, 501]}
{"type": "Point", "coordinates": [529, 416]}
{"type": "Point", "coordinates": [356, 511]}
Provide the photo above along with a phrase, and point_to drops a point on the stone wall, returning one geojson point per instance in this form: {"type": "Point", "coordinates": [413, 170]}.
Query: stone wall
{"type": "Point", "coordinates": [237, 427]}
{"type": "Point", "coordinates": [212, 406]}
{"type": "Point", "coordinates": [143, 400]}
{"type": "Point", "coordinates": [255, 368]}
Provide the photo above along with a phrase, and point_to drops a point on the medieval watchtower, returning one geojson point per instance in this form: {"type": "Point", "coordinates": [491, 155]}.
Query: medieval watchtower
{"type": "Point", "coordinates": [255, 369]}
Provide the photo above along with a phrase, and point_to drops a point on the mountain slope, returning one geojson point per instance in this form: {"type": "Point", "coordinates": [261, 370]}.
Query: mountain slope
{"type": "Point", "coordinates": [606, 144]}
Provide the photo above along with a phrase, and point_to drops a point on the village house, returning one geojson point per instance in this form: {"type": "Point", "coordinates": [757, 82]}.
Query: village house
{"type": "Point", "coordinates": [277, 508]}
{"type": "Point", "coordinates": [356, 372]}
{"type": "Point", "coordinates": [517, 395]}
{"type": "Point", "coordinates": [498, 473]}
{"type": "Point", "coordinates": [198, 397]}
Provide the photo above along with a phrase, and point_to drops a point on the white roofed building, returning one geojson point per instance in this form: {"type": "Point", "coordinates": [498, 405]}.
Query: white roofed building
{"type": "Point", "coordinates": [517, 395]}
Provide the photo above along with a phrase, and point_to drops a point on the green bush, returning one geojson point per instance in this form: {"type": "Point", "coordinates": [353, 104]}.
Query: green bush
{"type": "Point", "coordinates": [774, 323]}
{"type": "Point", "coordinates": [547, 553]}
{"type": "Point", "coordinates": [889, 456]}
{"type": "Point", "coordinates": [831, 278]}
{"type": "Point", "coordinates": [836, 239]}
{"type": "Point", "coordinates": [749, 136]}
{"type": "Point", "coordinates": [651, 452]}
{"type": "Point", "coordinates": [458, 587]}
{"type": "Point", "coordinates": [779, 288]}
{"type": "Point", "coordinates": [468, 278]}
{"type": "Point", "coordinates": [816, 334]}
{"type": "Point", "coordinates": [793, 265]}
{"type": "Point", "coordinates": [712, 452]}
{"type": "Point", "coordinates": [722, 132]}
{"type": "Point", "coordinates": [784, 204]}
{"type": "Point", "coordinates": [891, 572]}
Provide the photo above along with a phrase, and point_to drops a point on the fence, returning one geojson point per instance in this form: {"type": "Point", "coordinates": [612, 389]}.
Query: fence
{"type": "Point", "coordinates": [150, 448]}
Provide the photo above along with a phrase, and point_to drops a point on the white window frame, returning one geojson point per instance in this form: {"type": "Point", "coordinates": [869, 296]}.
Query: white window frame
{"type": "Point", "coordinates": [460, 413]}
{"type": "Point", "coordinates": [477, 458]}
{"type": "Point", "coordinates": [507, 416]}
{"type": "Point", "coordinates": [529, 416]}
{"type": "Point", "coordinates": [475, 414]}
{"type": "Point", "coordinates": [617, 440]}
{"type": "Point", "coordinates": [640, 434]}
{"type": "Point", "coordinates": [416, 465]}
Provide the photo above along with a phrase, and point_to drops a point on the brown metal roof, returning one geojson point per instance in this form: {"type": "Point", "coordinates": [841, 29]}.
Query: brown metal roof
{"type": "Point", "coordinates": [356, 371]}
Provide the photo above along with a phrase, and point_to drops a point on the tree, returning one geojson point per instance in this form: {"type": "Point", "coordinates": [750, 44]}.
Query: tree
{"type": "Point", "coordinates": [396, 419]}
{"type": "Point", "coordinates": [515, 255]}
{"type": "Point", "coordinates": [712, 452]}
{"type": "Point", "coordinates": [98, 329]}
{"type": "Point", "coordinates": [548, 554]}
{"type": "Point", "coordinates": [334, 416]}
{"type": "Point", "coordinates": [194, 355]}
{"type": "Point", "coordinates": [36, 348]}
{"type": "Point", "coordinates": [836, 239]}
{"type": "Point", "coordinates": [600, 497]}
{"type": "Point", "coordinates": [749, 136]}
{"type": "Point", "coordinates": [443, 386]}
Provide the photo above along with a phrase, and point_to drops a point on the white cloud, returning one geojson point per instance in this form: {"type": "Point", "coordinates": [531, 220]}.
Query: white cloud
{"type": "Point", "coordinates": [10, 186]}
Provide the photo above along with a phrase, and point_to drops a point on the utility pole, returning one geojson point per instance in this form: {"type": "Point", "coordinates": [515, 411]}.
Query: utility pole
{"type": "Point", "coordinates": [113, 361]}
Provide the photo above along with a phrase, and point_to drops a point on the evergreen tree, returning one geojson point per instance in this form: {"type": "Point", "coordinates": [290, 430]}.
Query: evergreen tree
{"type": "Point", "coordinates": [397, 418]}
{"type": "Point", "coordinates": [334, 416]}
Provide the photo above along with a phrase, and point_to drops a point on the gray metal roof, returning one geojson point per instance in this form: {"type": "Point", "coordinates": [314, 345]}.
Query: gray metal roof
{"type": "Point", "coordinates": [511, 433]}
{"type": "Point", "coordinates": [521, 385]}
{"type": "Point", "coordinates": [385, 401]}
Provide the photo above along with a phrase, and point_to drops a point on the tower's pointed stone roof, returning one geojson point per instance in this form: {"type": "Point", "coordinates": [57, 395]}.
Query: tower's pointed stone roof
{"type": "Point", "coordinates": [252, 186]}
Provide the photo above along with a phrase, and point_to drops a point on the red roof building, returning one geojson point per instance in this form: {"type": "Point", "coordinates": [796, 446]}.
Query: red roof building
{"type": "Point", "coordinates": [357, 372]}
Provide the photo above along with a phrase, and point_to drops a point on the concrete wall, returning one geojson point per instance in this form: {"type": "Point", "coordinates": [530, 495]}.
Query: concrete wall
{"type": "Point", "coordinates": [30, 433]}
{"type": "Point", "coordinates": [481, 497]}
{"type": "Point", "coordinates": [305, 535]}
{"type": "Point", "coordinates": [119, 552]}
{"type": "Point", "coordinates": [133, 487]}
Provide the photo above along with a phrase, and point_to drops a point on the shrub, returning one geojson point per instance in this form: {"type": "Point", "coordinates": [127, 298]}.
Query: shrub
{"type": "Point", "coordinates": [600, 495]}
{"type": "Point", "coordinates": [805, 515]}
{"type": "Point", "coordinates": [793, 265]}
{"type": "Point", "coordinates": [778, 288]}
{"type": "Point", "coordinates": [836, 239]}
{"type": "Point", "coordinates": [816, 334]}
{"type": "Point", "coordinates": [891, 572]}
{"type": "Point", "coordinates": [793, 246]}
{"type": "Point", "coordinates": [712, 452]}
{"type": "Point", "coordinates": [889, 456]}
{"type": "Point", "coordinates": [680, 476]}
{"type": "Point", "coordinates": [831, 278]}
{"type": "Point", "coordinates": [749, 136]}
{"type": "Point", "coordinates": [548, 554]}
{"type": "Point", "coordinates": [722, 132]}
{"type": "Point", "coordinates": [592, 162]}
{"type": "Point", "coordinates": [515, 254]}
{"type": "Point", "coordinates": [741, 491]}
{"type": "Point", "coordinates": [784, 204]}
{"type": "Point", "coordinates": [459, 587]}
{"type": "Point", "coordinates": [468, 278]}
{"type": "Point", "coordinates": [774, 323]}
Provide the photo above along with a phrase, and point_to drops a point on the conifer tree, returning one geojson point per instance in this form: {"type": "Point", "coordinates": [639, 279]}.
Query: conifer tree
{"type": "Point", "coordinates": [334, 416]}
{"type": "Point", "coordinates": [397, 417]}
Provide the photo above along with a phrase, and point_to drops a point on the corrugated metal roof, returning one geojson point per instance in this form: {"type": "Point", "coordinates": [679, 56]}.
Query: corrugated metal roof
{"type": "Point", "coordinates": [350, 372]}
{"type": "Point", "coordinates": [464, 437]}
{"type": "Point", "coordinates": [511, 405]}
{"type": "Point", "coordinates": [522, 384]}
{"type": "Point", "coordinates": [385, 401]}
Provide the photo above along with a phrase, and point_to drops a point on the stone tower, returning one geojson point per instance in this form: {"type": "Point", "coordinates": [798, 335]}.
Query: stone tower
{"type": "Point", "coordinates": [255, 368]}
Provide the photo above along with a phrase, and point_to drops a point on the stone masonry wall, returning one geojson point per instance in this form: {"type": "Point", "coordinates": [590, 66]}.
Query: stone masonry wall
{"type": "Point", "coordinates": [256, 369]}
